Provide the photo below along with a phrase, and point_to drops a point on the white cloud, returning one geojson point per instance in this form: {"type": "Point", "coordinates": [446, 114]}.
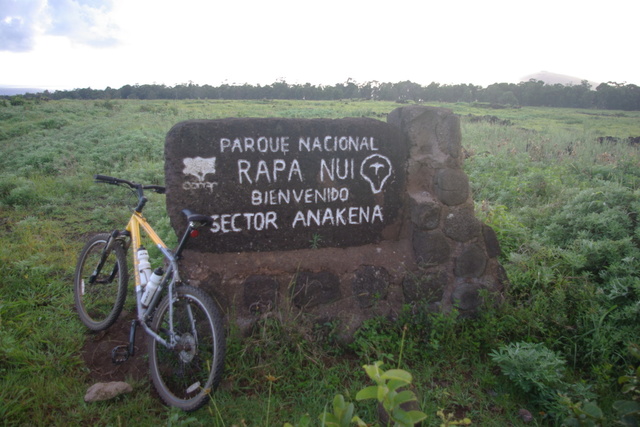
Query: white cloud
{"type": "Point", "coordinates": [19, 24]}
{"type": "Point", "coordinates": [82, 21]}
{"type": "Point", "coordinates": [24, 22]}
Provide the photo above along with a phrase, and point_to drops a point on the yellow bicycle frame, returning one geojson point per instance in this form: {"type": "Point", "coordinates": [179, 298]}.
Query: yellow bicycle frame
{"type": "Point", "coordinates": [137, 221]}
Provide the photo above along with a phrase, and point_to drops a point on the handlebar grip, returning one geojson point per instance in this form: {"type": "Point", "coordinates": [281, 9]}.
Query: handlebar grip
{"type": "Point", "coordinates": [105, 178]}
{"type": "Point", "coordinates": [113, 180]}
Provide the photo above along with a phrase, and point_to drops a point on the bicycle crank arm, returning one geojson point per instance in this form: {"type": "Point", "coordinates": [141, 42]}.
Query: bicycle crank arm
{"type": "Point", "coordinates": [122, 353]}
{"type": "Point", "coordinates": [132, 337]}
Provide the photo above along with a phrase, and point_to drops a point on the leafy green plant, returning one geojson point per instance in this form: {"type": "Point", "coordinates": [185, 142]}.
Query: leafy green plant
{"type": "Point", "coordinates": [629, 410]}
{"type": "Point", "coordinates": [449, 420]}
{"type": "Point", "coordinates": [305, 421]}
{"type": "Point", "coordinates": [342, 415]}
{"type": "Point", "coordinates": [391, 391]}
{"type": "Point", "coordinates": [315, 241]}
{"type": "Point", "coordinates": [589, 414]}
{"type": "Point", "coordinates": [582, 414]}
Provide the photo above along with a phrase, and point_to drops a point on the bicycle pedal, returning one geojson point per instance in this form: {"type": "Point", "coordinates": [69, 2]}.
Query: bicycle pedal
{"type": "Point", "coordinates": [120, 354]}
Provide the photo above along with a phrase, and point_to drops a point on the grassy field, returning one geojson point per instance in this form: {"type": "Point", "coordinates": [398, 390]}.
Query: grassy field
{"type": "Point", "coordinates": [563, 205]}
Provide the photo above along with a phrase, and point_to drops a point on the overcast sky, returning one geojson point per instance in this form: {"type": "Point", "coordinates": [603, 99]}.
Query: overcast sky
{"type": "Point", "coordinates": [65, 44]}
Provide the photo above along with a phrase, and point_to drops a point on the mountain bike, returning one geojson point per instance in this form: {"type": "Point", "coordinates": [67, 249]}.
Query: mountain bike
{"type": "Point", "coordinates": [184, 328]}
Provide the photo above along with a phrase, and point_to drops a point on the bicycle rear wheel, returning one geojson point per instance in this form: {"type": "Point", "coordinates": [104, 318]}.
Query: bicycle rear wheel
{"type": "Point", "coordinates": [186, 375]}
{"type": "Point", "coordinates": [99, 291]}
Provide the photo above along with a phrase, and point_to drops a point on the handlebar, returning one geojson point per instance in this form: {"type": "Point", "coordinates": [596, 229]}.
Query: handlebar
{"type": "Point", "coordinates": [118, 181]}
{"type": "Point", "coordinates": [139, 188]}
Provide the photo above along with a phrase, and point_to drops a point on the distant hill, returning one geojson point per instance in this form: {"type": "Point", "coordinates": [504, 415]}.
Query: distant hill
{"type": "Point", "coordinates": [554, 78]}
{"type": "Point", "coordinates": [10, 91]}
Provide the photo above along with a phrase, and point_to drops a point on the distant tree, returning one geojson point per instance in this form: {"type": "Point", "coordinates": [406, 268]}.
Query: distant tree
{"type": "Point", "coordinates": [610, 95]}
{"type": "Point", "coordinates": [508, 98]}
{"type": "Point", "coordinates": [468, 93]}
{"type": "Point", "coordinates": [492, 93]}
{"type": "Point", "coordinates": [432, 92]}
{"type": "Point", "coordinates": [531, 92]}
{"type": "Point", "coordinates": [607, 97]}
{"type": "Point", "coordinates": [351, 90]}
{"type": "Point", "coordinates": [408, 90]}
{"type": "Point", "coordinates": [126, 91]}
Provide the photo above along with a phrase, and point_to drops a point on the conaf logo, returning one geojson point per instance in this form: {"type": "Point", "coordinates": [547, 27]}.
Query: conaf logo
{"type": "Point", "coordinates": [199, 167]}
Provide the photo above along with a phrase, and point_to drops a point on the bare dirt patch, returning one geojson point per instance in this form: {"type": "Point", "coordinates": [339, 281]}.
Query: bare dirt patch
{"type": "Point", "coordinates": [97, 348]}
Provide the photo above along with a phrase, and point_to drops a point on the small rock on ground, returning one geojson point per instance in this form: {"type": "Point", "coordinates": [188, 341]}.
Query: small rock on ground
{"type": "Point", "coordinates": [525, 415]}
{"type": "Point", "coordinates": [106, 391]}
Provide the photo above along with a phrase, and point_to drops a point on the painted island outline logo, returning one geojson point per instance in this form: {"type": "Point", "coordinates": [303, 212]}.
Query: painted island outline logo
{"type": "Point", "coordinates": [376, 170]}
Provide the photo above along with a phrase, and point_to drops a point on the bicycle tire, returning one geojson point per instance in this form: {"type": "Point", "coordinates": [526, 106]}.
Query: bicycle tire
{"type": "Point", "coordinates": [99, 304]}
{"type": "Point", "coordinates": [185, 377]}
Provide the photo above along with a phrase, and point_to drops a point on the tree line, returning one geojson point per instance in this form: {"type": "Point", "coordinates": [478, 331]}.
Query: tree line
{"type": "Point", "coordinates": [610, 95]}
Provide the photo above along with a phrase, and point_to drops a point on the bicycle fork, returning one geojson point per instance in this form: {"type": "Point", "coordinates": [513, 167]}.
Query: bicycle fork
{"type": "Point", "coordinates": [103, 259]}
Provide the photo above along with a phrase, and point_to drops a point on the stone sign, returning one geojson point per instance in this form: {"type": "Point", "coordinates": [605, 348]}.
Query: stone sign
{"type": "Point", "coordinates": [332, 221]}
{"type": "Point", "coordinates": [285, 184]}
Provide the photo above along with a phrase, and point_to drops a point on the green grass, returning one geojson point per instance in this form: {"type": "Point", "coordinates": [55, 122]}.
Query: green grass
{"type": "Point", "coordinates": [573, 290]}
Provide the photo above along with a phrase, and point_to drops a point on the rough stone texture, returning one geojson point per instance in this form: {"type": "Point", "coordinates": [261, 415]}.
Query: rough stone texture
{"type": "Point", "coordinates": [260, 293]}
{"type": "Point", "coordinates": [312, 289]}
{"type": "Point", "coordinates": [433, 249]}
{"type": "Point", "coordinates": [370, 284]}
{"type": "Point", "coordinates": [491, 241]}
{"type": "Point", "coordinates": [106, 391]}
{"type": "Point", "coordinates": [425, 212]}
{"type": "Point", "coordinates": [449, 136]}
{"type": "Point", "coordinates": [466, 297]}
{"type": "Point", "coordinates": [425, 287]}
{"type": "Point", "coordinates": [461, 225]}
{"type": "Point", "coordinates": [471, 263]}
{"type": "Point", "coordinates": [452, 186]}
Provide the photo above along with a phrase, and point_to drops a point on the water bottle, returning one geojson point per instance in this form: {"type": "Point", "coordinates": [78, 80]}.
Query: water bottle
{"type": "Point", "coordinates": [152, 286]}
{"type": "Point", "coordinates": [144, 267]}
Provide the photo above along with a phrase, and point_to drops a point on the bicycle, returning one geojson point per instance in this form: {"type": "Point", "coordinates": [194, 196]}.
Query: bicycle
{"type": "Point", "coordinates": [186, 342]}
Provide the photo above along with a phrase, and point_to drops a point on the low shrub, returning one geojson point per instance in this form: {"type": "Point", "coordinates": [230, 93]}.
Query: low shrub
{"type": "Point", "coordinates": [16, 192]}
{"type": "Point", "coordinates": [532, 368]}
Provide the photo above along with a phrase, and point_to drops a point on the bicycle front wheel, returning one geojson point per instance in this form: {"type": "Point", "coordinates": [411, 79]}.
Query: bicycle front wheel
{"type": "Point", "coordinates": [100, 286]}
{"type": "Point", "coordinates": [186, 375]}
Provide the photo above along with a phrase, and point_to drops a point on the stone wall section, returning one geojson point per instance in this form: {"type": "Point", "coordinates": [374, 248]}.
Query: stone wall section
{"type": "Point", "coordinates": [439, 253]}
{"type": "Point", "coordinates": [456, 254]}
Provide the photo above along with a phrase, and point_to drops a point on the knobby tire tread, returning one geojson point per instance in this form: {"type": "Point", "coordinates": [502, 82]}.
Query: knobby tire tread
{"type": "Point", "coordinates": [169, 369]}
{"type": "Point", "coordinates": [92, 249]}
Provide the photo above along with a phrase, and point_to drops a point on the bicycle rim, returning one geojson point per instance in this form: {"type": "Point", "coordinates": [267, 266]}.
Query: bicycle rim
{"type": "Point", "coordinates": [99, 302]}
{"type": "Point", "coordinates": [184, 377]}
